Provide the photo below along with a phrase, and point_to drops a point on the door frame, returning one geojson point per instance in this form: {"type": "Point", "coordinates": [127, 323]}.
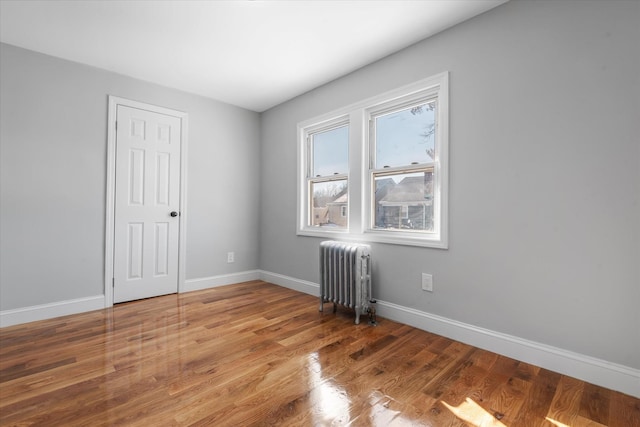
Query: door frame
{"type": "Point", "coordinates": [114, 102]}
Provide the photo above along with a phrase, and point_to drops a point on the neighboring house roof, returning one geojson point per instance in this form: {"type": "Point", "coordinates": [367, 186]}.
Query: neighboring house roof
{"type": "Point", "coordinates": [384, 183]}
{"type": "Point", "coordinates": [383, 186]}
{"type": "Point", "coordinates": [409, 191]}
{"type": "Point", "coordinates": [340, 200]}
{"type": "Point", "coordinates": [414, 190]}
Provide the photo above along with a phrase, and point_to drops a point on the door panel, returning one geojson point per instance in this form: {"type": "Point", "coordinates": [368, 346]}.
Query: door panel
{"type": "Point", "coordinates": [136, 177]}
{"type": "Point", "coordinates": [162, 249]}
{"type": "Point", "coordinates": [146, 192]}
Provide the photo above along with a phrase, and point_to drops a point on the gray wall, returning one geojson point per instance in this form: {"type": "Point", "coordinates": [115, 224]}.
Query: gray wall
{"type": "Point", "coordinates": [544, 176]}
{"type": "Point", "coordinates": [53, 124]}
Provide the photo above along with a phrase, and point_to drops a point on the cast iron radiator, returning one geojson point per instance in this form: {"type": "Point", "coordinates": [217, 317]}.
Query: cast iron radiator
{"type": "Point", "coordinates": [345, 277]}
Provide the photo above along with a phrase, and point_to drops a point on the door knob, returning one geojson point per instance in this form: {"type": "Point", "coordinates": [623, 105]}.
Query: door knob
{"type": "Point", "coordinates": [174, 214]}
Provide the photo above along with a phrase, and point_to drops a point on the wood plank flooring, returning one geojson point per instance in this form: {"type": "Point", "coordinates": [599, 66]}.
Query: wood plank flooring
{"type": "Point", "coordinates": [256, 354]}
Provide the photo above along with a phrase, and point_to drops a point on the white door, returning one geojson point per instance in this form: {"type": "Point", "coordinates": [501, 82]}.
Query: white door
{"type": "Point", "coordinates": [147, 201]}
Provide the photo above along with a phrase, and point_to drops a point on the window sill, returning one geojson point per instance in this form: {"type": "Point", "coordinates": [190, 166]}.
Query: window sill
{"type": "Point", "coordinates": [373, 236]}
{"type": "Point", "coordinates": [323, 233]}
{"type": "Point", "coordinates": [406, 239]}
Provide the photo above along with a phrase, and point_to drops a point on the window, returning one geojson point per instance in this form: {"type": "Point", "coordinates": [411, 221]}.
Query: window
{"type": "Point", "coordinates": [402, 147]}
{"type": "Point", "coordinates": [398, 167]}
{"type": "Point", "coordinates": [326, 176]}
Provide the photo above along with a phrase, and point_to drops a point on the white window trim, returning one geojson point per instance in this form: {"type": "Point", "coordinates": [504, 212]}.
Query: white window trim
{"type": "Point", "coordinates": [304, 213]}
{"type": "Point", "coordinates": [434, 87]}
{"type": "Point", "coordinates": [360, 177]}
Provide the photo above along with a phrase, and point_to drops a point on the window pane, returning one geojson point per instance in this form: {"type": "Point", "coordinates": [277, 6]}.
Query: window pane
{"type": "Point", "coordinates": [330, 151]}
{"type": "Point", "coordinates": [404, 201]}
{"type": "Point", "coordinates": [406, 137]}
{"type": "Point", "coordinates": [329, 204]}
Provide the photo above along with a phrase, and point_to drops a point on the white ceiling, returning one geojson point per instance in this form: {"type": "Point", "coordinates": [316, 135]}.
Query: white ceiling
{"type": "Point", "coordinates": [254, 54]}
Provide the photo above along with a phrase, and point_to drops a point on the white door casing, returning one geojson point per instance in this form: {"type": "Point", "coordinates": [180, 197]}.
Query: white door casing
{"type": "Point", "coordinates": [144, 255]}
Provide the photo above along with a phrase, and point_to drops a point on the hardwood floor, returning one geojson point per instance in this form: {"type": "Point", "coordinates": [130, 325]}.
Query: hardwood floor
{"type": "Point", "coordinates": [259, 354]}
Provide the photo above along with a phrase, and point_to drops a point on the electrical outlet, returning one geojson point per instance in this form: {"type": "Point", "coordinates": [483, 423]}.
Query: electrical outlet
{"type": "Point", "coordinates": [231, 257]}
{"type": "Point", "coordinates": [427, 282]}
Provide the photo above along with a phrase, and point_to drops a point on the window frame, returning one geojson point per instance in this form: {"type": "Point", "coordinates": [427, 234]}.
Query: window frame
{"type": "Point", "coordinates": [436, 90]}
{"type": "Point", "coordinates": [306, 180]}
{"type": "Point", "coordinates": [361, 175]}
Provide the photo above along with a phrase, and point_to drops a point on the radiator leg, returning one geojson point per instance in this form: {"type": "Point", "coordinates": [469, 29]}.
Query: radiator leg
{"type": "Point", "coordinates": [335, 307]}
{"type": "Point", "coordinates": [321, 305]}
{"type": "Point", "coordinates": [357, 322]}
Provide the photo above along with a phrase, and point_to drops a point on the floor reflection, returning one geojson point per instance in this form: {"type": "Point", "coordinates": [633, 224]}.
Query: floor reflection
{"type": "Point", "coordinates": [330, 403]}
{"type": "Point", "coordinates": [143, 350]}
{"type": "Point", "coordinates": [386, 411]}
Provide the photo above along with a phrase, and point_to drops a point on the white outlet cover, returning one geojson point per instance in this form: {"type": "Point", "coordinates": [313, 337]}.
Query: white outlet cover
{"type": "Point", "coordinates": [427, 282]}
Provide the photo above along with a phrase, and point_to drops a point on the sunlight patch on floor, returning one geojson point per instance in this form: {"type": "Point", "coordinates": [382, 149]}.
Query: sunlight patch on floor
{"type": "Point", "coordinates": [473, 413]}
{"type": "Point", "coordinates": [556, 423]}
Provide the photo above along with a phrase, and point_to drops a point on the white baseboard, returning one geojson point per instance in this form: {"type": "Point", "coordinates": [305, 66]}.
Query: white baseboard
{"type": "Point", "coordinates": [51, 310]}
{"type": "Point", "coordinates": [586, 368]}
{"type": "Point", "coordinates": [221, 280]}
{"type": "Point", "coordinates": [81, 305]}
{"type": "Point", "coordinates": [291, 283]}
